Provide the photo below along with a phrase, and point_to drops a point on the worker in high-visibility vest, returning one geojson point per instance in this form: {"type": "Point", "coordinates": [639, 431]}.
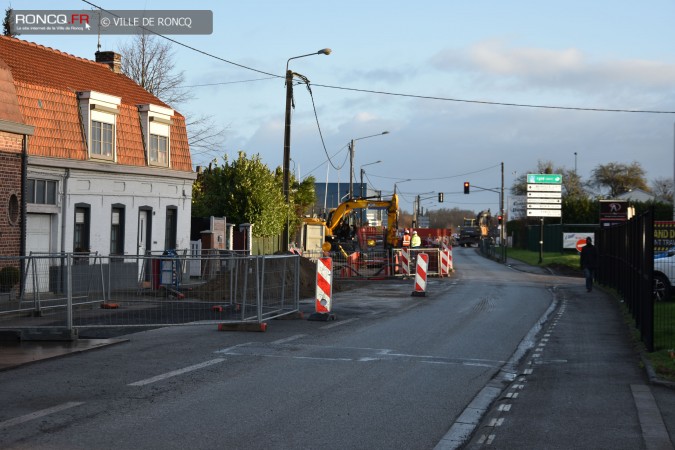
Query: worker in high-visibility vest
{"type": "Point", "coordinates": [415, 241]}
{"type": "Point", "coordinates": [406, 239]}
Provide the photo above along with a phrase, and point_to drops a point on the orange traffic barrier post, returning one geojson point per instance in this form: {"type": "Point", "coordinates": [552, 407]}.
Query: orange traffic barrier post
{"type": "Point", "coordinates": [405, 261]}
{"type": "Point", "coordinates": [324, 291]}
{"type": "Point", "coordinates": [421, 276]}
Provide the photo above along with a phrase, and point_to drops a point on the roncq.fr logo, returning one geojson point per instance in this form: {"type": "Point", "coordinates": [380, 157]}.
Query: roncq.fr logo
{"type": "Point", "coordinates": [51, 19]}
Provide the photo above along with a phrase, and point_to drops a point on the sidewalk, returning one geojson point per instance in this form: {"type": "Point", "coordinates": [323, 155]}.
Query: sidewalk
{"type": "Point", "coordinates": [584, 385]}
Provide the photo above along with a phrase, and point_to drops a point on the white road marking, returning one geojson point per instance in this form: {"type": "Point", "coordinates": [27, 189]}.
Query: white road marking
{"type": "Point", "coordinates": [174, 373]}
{"type": "Point", "coordinates": [288, 339]}
{"type": "Point", "coordinates": [38, 414]}
{"type": "Point", "coordinates": [338, 323]}
{"type": "Point", "coordinates": [497, 422]}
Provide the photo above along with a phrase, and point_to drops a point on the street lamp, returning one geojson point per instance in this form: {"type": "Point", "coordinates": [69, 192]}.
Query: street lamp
{"type": "Point", "coordinates": [399, 182]}
{"type": "Point", "coordinates": [351, 161]}
{"type": "Point", "coordinates": [287, 132]}
{"type": "Point", "coordinates": [575, 163]}
{"type": "Point", "coordinates": [363, 171]}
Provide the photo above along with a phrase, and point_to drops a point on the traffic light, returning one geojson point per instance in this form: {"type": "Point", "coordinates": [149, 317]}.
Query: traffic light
{"type": "Point", "coordinates": [440, 197]}
{"type": "Point", "coordinates": [466, 187]}
{"type": "Point", "coordinates": [500, 218]}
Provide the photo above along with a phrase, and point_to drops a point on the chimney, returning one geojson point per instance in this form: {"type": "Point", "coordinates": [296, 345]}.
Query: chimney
{"type": "Point", "coordinates": [112, 59]}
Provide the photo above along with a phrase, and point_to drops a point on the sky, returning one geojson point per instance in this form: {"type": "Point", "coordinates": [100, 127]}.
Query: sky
{"type": "Point", "coordinates": [444, 78]}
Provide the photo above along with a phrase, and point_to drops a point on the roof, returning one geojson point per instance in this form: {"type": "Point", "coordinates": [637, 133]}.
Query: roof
{"type": "Point", "coordinates": [9, 107]}
{"type": "Point", "coordinates": [637, 195]}
{"type": "Point", "coordinates": [47, 82]}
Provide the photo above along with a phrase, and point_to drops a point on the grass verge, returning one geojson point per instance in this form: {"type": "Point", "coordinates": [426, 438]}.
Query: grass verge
{"type": "Point", "coordinates": [570, 260]}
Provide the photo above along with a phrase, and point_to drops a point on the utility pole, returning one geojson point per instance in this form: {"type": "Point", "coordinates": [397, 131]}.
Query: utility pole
{"type": "Point", "coordinates": [351, 169]}
{"type": "Point", "coordinates": [287, 150]}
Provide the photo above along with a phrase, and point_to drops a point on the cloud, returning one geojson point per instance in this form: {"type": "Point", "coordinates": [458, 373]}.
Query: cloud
{"type": "Point", "coordinates": [546, 68]}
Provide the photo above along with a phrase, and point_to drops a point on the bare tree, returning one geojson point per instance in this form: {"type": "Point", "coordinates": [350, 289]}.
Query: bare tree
{"type": "Point", "coordinates": [150, 62]}
{"type": "Point", "coordinates": [662, 188]}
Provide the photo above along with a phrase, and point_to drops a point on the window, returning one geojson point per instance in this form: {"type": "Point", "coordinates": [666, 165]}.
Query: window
{"type": "Point", "coordinates": [117, 230]}
{"type": "Point", "coordinates": [81, 229]}
{"type": "Point", "coordinates": [99, 113]}
{"type": "Point", "coordinates": [13, 209]}
{"type": "Point", "coordinates": [170, 229]}
{"type": "Point", "coordinates": [156, 126]}
{"type": "Point", "coordinates": [102, 139]}
{"type": "Point", "coordinates": [42, 192]}
{"type": "Point", "coordinates": [159, 149]}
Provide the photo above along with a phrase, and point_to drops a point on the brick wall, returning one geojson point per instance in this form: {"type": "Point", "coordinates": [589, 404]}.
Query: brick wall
{"type": "Point", "coordinates": [10, 174]}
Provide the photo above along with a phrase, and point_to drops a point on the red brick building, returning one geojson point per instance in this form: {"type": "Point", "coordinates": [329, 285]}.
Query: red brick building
{"type": "Point", "coordinates": [13, 140]}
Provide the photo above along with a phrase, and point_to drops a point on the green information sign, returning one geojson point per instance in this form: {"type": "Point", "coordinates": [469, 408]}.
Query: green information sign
{"type": "Point", "coordinates": [544, 178]}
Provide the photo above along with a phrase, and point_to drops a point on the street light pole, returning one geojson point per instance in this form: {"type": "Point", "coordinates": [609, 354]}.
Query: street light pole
{"type": "Point", "coordinates": [398, 182]}
{"type": "Point", "coordinates": [287, 135]}
{"type": "Point", "coordinates": [351, 161]}
{"type": "Point", "coordinates": [363, 171]}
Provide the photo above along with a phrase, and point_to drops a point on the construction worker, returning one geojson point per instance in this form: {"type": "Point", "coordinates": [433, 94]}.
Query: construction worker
{"type": "Point", "coordinates": [415, 241]}
{"type": "Point", "coordinates": [406, 239]}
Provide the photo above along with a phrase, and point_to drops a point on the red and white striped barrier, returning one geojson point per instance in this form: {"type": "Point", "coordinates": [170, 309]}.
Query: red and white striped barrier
{"type": "Point", "coordinates": [445, 263]}
{"type": "Point", "coordinates": [450, 266]}
{"type": "Point", "coordinates": [405, 261]}
{"type": "Point", "coordinates": [324, 290]}
{"type": "Point", "coordinates": [324, 285]}
{"type": "Point", "coordinates": [421, 275]}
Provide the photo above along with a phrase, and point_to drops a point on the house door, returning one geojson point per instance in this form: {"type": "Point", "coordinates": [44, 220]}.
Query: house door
{"type": "Point", "coordinates": [142, 231]}
{"type": "Point", "coordinates": [38, 241]}
{"type": "Point", "coordinates": [142, 244]}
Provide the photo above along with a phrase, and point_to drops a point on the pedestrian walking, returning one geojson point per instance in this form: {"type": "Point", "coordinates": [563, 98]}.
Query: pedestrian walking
{"type": "Point", "coordinates": [589, 262]}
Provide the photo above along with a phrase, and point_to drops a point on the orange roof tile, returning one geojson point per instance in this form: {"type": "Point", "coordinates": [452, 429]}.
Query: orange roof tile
{"type": "Point", "coordinates": [47, 81]}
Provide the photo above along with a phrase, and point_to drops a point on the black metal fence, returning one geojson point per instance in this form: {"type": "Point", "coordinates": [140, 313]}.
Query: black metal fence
{"type": "Point", "coordinates": [626, 264]}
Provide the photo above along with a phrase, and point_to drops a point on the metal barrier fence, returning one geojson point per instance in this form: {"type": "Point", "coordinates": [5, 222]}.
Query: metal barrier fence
{"type": "Point", "coordinates": [490, 249]}
{"type": "Point", "coordinates": [626, 264]}
{"type": "Point", "coordinates": [378, 263]}
{"type": "Point", "coordinates": [89, 290]}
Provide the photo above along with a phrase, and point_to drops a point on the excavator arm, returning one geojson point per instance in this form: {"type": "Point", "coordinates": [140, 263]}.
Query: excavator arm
{"type": "Point", "coordinates": [336, 217]}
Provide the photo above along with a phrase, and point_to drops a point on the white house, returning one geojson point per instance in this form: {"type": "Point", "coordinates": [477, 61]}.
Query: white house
{"type": "Point", "coordinates": [108, 167]}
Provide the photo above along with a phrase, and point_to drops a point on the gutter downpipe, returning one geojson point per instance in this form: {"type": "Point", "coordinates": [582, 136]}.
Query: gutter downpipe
{"type": "Point", "coordinates": [64, 259]}
{"type": "Point", "coordinates": [24, 214]}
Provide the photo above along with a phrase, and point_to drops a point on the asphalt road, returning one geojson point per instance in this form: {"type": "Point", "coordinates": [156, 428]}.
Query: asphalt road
{"type": "Point", "coordinates": [394, 371]}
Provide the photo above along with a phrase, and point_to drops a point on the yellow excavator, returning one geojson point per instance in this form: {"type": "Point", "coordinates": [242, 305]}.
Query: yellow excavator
{"type": "Point", "coordinates": [337, 229]}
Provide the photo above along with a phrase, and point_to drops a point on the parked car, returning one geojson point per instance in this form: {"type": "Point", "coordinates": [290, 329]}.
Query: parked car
{"type": "Point", "coordinates": [664, 275]}
{"type": "Point", "coordinates": [665, 253]}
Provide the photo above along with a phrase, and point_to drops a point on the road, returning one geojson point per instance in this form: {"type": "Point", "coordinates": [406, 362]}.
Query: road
{"type": "Point", "coordinates": [394, 371]}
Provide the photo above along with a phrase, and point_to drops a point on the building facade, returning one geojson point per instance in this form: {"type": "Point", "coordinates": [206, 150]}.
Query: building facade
{"type": "Point", "coordinates": [108, 165]}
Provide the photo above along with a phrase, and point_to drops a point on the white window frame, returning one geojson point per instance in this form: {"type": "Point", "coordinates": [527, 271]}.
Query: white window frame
{"type": "Point", "coordinates": [156, 124]}
{"type": "Point", "coordinates": [97, 107]}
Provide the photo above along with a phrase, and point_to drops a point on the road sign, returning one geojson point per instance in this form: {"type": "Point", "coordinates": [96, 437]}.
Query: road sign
{"type": "Point", "coordinates": [581, 243]}
{"type": "Point", "coordinates": [544, 206]}
{"type": "Point", "coordinates": [544, 194]}
{"type": "Point", "coordinates": [543, 200]}
{"type": "Point", "coordinates": [544, 213]}
{"type": "Point", "coordinates": [544, 188]}
{"type": "Point", "coordinates": [544, 178]}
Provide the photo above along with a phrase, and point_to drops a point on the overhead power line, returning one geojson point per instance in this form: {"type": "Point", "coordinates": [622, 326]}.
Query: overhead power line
{"type": "Point", "coordinates": [398, 94]}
